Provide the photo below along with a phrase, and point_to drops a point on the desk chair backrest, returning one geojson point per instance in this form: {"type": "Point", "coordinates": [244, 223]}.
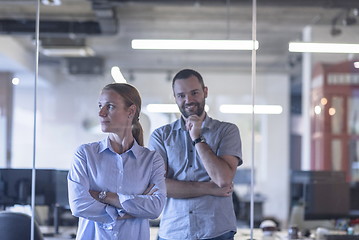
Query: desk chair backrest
{"type": "Point", "coordinates": [17, 226]}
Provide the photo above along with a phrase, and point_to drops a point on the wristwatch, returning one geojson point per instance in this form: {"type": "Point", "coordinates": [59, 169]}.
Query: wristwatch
{"type": "Point", "coordinates": [201, 139]}
{"type": "Point", "coordinates": [102, 195]}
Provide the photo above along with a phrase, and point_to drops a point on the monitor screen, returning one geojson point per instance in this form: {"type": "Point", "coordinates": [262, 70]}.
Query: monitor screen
{"type": "Point", "coordinates": [15, 187]}
{"type": "Point", "coordinates": [62, 198]}
{"type": "Point", "coordinates": [326, 200]}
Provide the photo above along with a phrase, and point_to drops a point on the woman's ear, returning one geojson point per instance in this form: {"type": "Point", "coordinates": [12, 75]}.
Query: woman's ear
{"type": "Point", "coordinates": [132, 110]}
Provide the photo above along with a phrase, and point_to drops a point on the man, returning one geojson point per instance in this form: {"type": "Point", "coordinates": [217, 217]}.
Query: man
{"type": "Point", "coordinates": [201, 157]}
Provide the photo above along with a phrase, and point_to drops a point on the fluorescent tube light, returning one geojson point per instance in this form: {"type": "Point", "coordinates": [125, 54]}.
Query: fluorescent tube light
{"type": "Point", "coordinates": [248, 109]}
{"type": "Point", "coordinates": [356, 64]}
{"type": "Point", "coordinates": [67, 51]}
{"type": "Point", "coordinates": [175, 44]}
{"type": "Point", "coordinates": [117, 75]}
{"type": "Point", "coordinates": [166, 108]}
{"type": "Point", "coordinates": [323, 47]}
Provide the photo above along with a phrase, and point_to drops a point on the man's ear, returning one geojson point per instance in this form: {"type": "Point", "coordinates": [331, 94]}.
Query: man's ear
{"type": "Point", "coordinates": [205, 90]}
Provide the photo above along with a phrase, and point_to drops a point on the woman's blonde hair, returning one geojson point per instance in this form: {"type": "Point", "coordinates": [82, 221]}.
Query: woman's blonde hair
{"type": "Point", "coordinates": [132, 97]}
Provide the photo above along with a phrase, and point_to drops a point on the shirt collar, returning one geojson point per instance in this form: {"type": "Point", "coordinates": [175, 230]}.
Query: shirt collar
{"type": "Point", "coordinates": [105, 144]}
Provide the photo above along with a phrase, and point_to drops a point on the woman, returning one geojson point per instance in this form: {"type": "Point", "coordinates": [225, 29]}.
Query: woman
{"type": "Point", "coordinates": [116, 185]}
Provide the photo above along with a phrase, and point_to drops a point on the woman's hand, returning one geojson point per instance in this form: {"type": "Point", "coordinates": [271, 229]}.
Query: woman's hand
{"type": "Point", "coordinates": [111, 198]}
{"type": "Point", "coordinates": [95, 194]}
{"type": "Point", "coordinates": [150, 190]}
{"type": "Point", "coordinates": [126, 216]}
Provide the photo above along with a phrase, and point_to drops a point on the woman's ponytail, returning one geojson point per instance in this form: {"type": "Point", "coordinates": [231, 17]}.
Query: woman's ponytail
{"type": "Point", "coordinates": [137, 132]}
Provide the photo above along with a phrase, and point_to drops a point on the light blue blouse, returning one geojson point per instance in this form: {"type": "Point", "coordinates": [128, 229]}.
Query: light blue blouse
{"type": "Point", "coordinates": [97, 167]}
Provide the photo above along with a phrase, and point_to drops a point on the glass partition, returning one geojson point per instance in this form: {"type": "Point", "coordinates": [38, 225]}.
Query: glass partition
{"type": "Point", "coordinates": [81, 42]}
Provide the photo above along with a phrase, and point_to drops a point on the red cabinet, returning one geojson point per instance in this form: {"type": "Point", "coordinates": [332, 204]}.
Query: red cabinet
{"type": "Point", "coordinates": [335, 118]}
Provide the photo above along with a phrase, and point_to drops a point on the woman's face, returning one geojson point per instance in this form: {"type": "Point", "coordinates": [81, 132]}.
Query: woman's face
{"type": "Point", "coordinates": [113, 113]}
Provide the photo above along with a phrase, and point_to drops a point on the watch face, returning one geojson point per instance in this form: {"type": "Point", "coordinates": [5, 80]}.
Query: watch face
{"type": "Point", "coordinates": [102, 195]}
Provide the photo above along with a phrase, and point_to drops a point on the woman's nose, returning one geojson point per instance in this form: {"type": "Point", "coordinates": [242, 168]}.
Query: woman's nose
{"type": "Point", "coordinates": [102, 112]}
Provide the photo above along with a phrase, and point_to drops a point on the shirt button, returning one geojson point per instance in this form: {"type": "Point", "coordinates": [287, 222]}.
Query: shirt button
{"type": "Point", "coordinates": [190, 212]}
{"type": "Point", "coordinates": [191, 150]}
{"type": "Point", "coordinates": [190, 165]}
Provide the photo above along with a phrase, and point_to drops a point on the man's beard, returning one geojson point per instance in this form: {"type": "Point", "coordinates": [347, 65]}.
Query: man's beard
{"type": "Point", "coordinates": [198, 112]}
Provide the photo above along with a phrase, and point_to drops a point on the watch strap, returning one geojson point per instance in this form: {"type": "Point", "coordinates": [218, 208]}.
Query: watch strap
{"type": "Point", "coordinates": [199, 140]}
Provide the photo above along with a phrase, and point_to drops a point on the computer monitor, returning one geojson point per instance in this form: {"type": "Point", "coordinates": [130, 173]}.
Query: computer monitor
{"type": "Point", "coordinates": [50, 190]}
{"type": "Point", "coordinates": [61, 190]}
{"type": "Point", "coordinates": [326, 200]}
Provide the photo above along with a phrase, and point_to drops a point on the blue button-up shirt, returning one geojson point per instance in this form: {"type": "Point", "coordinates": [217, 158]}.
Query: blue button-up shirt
{"type": "Point", "coordinates": [201, 217]}
{"type": "Point", "coordinates": [97, 167]}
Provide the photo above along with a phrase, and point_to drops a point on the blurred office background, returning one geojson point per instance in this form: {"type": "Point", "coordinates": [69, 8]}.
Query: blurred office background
{"type": "Point", "coordinates": [83, 41]}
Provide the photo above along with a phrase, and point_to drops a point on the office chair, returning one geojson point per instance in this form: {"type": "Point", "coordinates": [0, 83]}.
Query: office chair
{"type": "Point", "coordinates": [17, 226]}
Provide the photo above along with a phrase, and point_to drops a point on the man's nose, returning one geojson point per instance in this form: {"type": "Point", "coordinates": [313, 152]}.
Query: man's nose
{"type": "Point", "coordinates": [188, 98]}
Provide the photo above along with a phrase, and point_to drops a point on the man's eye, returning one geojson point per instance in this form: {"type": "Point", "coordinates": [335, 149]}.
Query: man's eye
{"type": "Point", "coordinates": [180, 96]}
{"type": "Point", "coordinates": [110, 107]}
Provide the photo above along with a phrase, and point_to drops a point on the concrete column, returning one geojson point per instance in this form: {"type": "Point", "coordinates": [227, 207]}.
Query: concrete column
{"type": "Point", "coordinates": [6, 118]}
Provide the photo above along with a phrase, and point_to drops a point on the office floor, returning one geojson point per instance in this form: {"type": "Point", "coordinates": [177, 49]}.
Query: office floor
{"type": "Point", "coordinates": [68, 233]}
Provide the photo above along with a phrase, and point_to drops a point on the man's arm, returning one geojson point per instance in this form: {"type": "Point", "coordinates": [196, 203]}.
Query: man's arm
{"type": "Point", "coordinates": [183, 189]}
{"type": "Point", "coordinates": [221, 169]}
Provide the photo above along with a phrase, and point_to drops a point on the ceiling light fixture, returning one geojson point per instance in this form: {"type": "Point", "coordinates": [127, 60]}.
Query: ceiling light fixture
{"type": "Point", "coordinates": [51, 2]}
{"type": "Point", "coordinates": [356, 64]}
{"type": "Point", "coordinates": [175, 44]}
{"type": "Point", "coordinates": [323, 47]}
{"type": "Point", "coordinates": [166, 108]}
{"type": "Point", "coordinates": [15, 81]}
{"type": "Point", "coordinates": [248, 109]}
{"type": "Point", "coordinates": [117, 75]}
{"type": "Point", "coordinates": [64, 51]}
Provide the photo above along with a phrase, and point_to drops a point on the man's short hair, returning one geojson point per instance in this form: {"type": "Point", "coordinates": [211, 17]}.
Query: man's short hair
{"type": "Point", "coordinates": [186, 73]}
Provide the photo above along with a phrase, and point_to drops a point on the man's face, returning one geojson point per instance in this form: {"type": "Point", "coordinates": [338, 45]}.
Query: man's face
{"type": "Point", "coordinates": [190, 96]}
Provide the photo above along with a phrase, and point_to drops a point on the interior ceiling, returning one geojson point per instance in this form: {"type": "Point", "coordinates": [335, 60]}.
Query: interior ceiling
{"type": "Point", "coordinates": [108, 26]}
